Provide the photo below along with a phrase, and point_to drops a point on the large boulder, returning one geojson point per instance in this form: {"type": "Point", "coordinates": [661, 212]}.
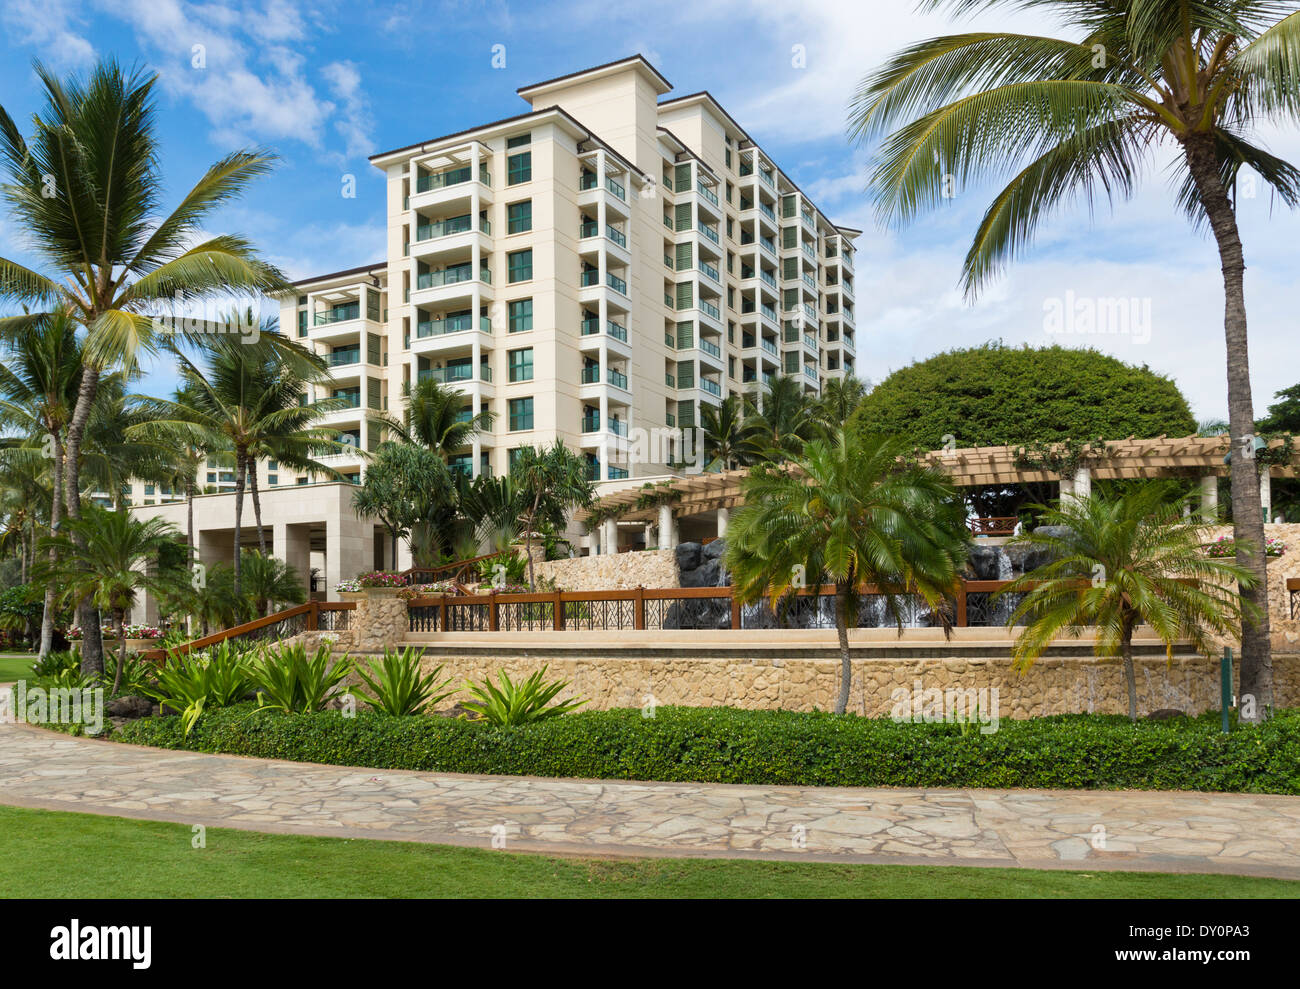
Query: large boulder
{"type": "Point", "coordinates": [129, 707]}
{"type": "Point", "coordinates": [688, 556]}
{"type": "Point", "coordinates": [983, 562]}
{"type": "Point", "coordinates": [705, 575]}
{"type": "Point", "coordinates": [714, 550]}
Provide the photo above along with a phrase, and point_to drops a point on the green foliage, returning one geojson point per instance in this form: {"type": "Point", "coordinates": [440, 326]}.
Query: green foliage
{"type": "Point", "coordinates": [55, 662]}
{"type": "Point", "coordinates": [516, 567]}
{"type": "Point", "coordinates": [396, 686]}
{"type": "Point", "coordinates": [21, 606]}
{"type": "Point", "coordinates": [202, 681]}
{"type": "Point", "coordinates": [292, 682]}
{"type": "Point", "coordinates": [518, 703]}
{"type": "Point", "coordinates": [137, 674]}
{"type": "Point", "coordinates": [775, 748]}
{"type": "Point", "coordinates": [270, 584]}
{"type": "Point", "coordinates": [994, 395]}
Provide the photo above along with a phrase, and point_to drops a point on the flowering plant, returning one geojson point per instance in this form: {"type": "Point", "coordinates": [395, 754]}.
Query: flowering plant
{"type": "Point", "coordinates": [1226, 547]}
{"type": "Point", "coordinates": [350, 584]}
{"type": "Point", "coordinates": [143, 632]}
{"type": "Point", "coordinates": [73, 633]}
{"type": "Point", "coordinates": [381, 578]}
{"type": "Point", "coordinates": [424, 590]}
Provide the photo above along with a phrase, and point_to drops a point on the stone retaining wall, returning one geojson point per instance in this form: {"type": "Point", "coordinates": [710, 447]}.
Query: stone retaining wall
{"type": "Point", "coordinates": [613, 572]}
{"type": "Point", "coordinates": [803, 682]}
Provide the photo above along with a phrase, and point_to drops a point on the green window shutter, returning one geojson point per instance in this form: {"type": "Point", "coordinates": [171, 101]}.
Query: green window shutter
{"type": "Point", "coordinates": [686, 414]}
{"type": "Point", "coordinates": [684, 255]}
{"type": "Point", "coordinates": [519, 141]}
{"type": "Point", "coordinates": [372, 305]}
{"type": "Point", "coordinates": [789, 332]}
{"type": "Point", "coordinates": [685, 335]}
{"type": "Point", "coordinates": [685, 295]}
{"type": "Point", "coordinates": [790, 268]}
{"type": "Point", "coordinates": [374, 349]}
{"type": "Point", "coordinates": [789, 237]}
{"type": "Point", "coordinates": [791, 363]}
{"type": "Point", "coordinates": [373, 398]}
{"type": "Point", "coordinates": [788, 207]}
{"type": "Point", "coordinates": [683, 216]}
{"type": "Point", "coordinates": [302, 322]}
{"type": "Point", "coordinates": [682, 179]}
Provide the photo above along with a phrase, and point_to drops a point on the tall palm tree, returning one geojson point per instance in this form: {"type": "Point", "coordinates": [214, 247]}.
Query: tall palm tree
{"type": "Point", "coordinates": [114, 451]}
{"type": "Point", "coordinates": [86, 191]}
{"type": "Point", "coordinates": [552, 480]}
{"type": "Point", "coordinates": [109, 557]}
{"type": "Point", "coordinates": [1119, 562]}
{"type": "Point", "coordinates": [39, 378]}
{"type": "Point", "coordinates": [1071, 118]}
{"type": "Point", "coordinates": [725, 433]}
{"type": "Point", "coordinates": [777, 420]}
{"type": "Point", "coordinates": [847, 512]}
{"type": "Point", "coordinates": [435, 418]}
{"type": "Point", "coordinates": [249, 399]}
{"type": "Point", "coordinates": [837, 401]}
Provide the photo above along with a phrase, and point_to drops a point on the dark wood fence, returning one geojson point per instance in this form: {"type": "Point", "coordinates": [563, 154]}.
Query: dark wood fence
{"type": "Point", "coordinates": [322, 616]}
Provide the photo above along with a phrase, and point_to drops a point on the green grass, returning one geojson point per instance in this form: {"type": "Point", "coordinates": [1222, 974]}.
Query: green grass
{"type": "Point", "coordinates": [15, 667]}
{"type": "Point", "coordinates": [56, 854]}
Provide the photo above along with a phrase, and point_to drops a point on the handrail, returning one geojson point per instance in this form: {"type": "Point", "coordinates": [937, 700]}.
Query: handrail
{"type": "Point", "coordinates": [457, 568]}
{"type": "Point", "coordinates": [311, 609]}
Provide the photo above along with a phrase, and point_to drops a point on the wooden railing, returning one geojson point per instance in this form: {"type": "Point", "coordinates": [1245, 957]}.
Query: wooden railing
{"type": "Point", "coordinates": [457, 571]}
{"type": "Point", "coordinates": [1293, 588]}
{"type": "Point", "coordinates": [699, 608]}
{"type": "Point", "coordinates": [314, 616]}
{"type": "Point", "coordinates": [994, 525]}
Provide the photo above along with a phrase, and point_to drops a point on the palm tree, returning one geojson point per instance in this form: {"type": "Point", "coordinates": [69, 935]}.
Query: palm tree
{"type": "Point", "coordinates": [435, 418]}
{"type": "Point", "coordinates": [777, 421]}
{"type": "Point", "coordinates": [39, 377]}
{"type": "Point", "coordinates": [497, 505]}
{"type": "Point", "coordinates": [410, 490]}
{"type": "Point", "coordinates": [109, 557]}
{"type": "Point", "coordinates": [725, 433]}
{"type": "Point", "coordinates": [1120, 562]}
{"type": "Point", "coordinates": [1069, 119]}
{"type": "Point", "coordinates": [848, 512]}
{"type": "Point", "coordinates": [269, 582]}
{"type": "Point", "coordinates": [247, 401]}
{"type": "Point", "coordinates": [86, 191]}
{"type": "Point", "coordinates": [552, 481]}
{"type": "Point", "coordinates": [837, 401]}
{"type": "Point", "coordinates": [114, 451]}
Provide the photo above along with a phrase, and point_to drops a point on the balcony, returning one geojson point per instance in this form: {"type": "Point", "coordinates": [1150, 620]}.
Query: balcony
{"type": "Point", "coordinates": [709, 232]}
{"type": "Point", "coordinates": [591, 424]}
{"type": "Point", "coordinates": [711, 271]}
{"type": "Point", "coordinates": [590, 190]}
{"type": "Point", "coordinates": [591, 279]}
{"type": "Point", "coordinates": [452, 234]}
{"type": "Point", "coordinates": [706, 192]}
{"type": "Point", "coordinates": [456, 374]}
{"type": "Point", "coordinates": [452, 324]}
{"type": "Point", "coordinates": [591, 327]}
{"type": "Point", "coordinates": [448, 227]}
{"type": "Point", "coordinates": [770, 347]}
{"type": "Point", "coordinates": [449, 284]}
{"type": "Point", "coordinates": [710, 348]}
{"type": "Point", "coordinates": [339, 314]}
{"type": "Point", "coordinates": [591, 376]}
{"type": "Point", "coordinates": [810, 371]}
{"type": "Point", "coordinates": [455, 176]}
{"type": "Point", "coordinates": [450, 186]}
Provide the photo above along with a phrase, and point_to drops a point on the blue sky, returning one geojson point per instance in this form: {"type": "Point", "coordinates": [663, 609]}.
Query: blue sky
{"type": "Point", "coordinates": [327, 84]}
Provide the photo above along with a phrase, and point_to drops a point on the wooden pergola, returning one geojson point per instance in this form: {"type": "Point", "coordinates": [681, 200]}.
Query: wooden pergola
{"type": "Point", "coordinates": [1196, 457]}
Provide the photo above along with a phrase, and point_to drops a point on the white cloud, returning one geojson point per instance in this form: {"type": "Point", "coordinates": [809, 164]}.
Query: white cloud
{"type": "Point", "coordinates": [51, 26]}
{"type": "Point", "coordinates": [354, 123]}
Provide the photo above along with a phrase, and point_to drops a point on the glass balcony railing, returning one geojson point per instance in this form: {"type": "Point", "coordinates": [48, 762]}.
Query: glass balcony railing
{"type": "Point", "coordinates": [810, 281]}
{"type": "Point", "coordinates": [452, 276]}
{"type": "Point", "coordinates": [451, 324]}
{"type": "Point", "coordinates": [767, 211]}
{"type": "Point", "coordinates": [342, 314]}
{"type": "Point", "coordinates": [709, 232]}
{"type": "Point", "coordinates": [591, 424]}
{"type": "Point", "coordinates": [810, 371]}
{"type": "Point", "coordinates": [809, 220]}
{"type": "Point", "coordinates": [452, 225]}
{"type": "Point", "coordinates": [670, 380]}
{"type": "Point", "coordinates": [768, 244]}
{"type": "Point", "coordinates": [768, 311]}
{"type": "Point", "coordinates": [454, 176]}
{"type": "Point", "coordinates": [770, 347]}
{"type": "Point", "coordinates": [707, 193]}
{"type": "Point", "coordinates": [591, 327]}
{"type": "Point", "coordinates": [809, 251]}
{"type": "Point", "coordinates": [342, 358]}
{"type": "Point", "coordinates": [810, 312]}
{"type": "Point", "coordinates": [767, 278]}
{"type": "Point", "coordinates": [347, 399]}
{"type": "Point", "coordinates": [454, 374]}
{"type": "Point", "coordinates": [593, 471]}
{"type": "Point", "coordinates": [768, 179]}
{"type": "Point", "coordinates": [710, 348]}
{"type": "Point", "coordinates": [616, 188]}
{"type": "Point", "coordinates": [711, 271]}
{"type": "Point", "coordinates": [712, 387]}
{"type": "Point", "coordinates": [810, 341]}
{"type": "Point", "coordinates": [711, 309]}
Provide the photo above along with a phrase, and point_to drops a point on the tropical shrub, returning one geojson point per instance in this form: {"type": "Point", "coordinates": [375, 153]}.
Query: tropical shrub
{"type": "Point", "coordinates": [518, 703]}
{"type": "Point", "coordinates": [137, 674]}
{"type": "Point", "coordinates": [54, 662]}
{"type": "Point", "coordinates": [190, 683]}
{"type": "Point", "coordinates": [396, 686]}
{"type": "Point", "coordinates": [291, 681]}
{"type": "Point", "coordinates": [426, 590]}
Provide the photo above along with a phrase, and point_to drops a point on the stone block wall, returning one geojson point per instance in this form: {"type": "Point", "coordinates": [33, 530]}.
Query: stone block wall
{"type": "Point", "coordinates": [614, 572]}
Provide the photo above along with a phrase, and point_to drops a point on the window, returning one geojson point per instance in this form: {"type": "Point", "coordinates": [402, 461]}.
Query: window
{"type": "Point", "coordinates": [512, 457]}
{"type": "Point", "coordinates": [272, 479]}
{"type": "Point", "coordinates": [302, 322]}
{"type": "Point", "coordinates": [519, 168]}
{"type": "Point", "coordinates": [519, 141]}
{"type": "Point", "coordinates": [148, 489]}
{"type": "Point", "coordinates": [519, 217]}
{"type": "Point", "coordinates": [519, 266]}
{"type": "Point", "coordinates": [521, 414]}
{"type": "Point", "coordinates": [521, 315]}
{"type": "Point", "coordinates": [521, 364]}
{"type": "Point", "coordinates": [273, 465]}
{"type": "Point", "coordinates": [302, 480]}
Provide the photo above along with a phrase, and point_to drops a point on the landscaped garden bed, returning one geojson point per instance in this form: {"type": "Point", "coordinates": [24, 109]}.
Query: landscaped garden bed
{"type": "Point", "coordinates": [725, 745]}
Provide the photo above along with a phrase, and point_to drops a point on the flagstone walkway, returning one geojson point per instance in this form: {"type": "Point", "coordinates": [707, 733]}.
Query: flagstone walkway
{"type": "Point", "coordinates": [1169, 832]}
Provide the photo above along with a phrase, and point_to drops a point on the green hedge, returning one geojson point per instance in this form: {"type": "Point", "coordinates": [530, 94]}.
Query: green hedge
{"type": "Point", "coordinates": [725, 745]}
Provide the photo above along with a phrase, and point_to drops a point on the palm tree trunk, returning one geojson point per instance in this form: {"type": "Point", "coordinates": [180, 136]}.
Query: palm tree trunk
{"type": "Point", "coordinates": [119, 620]}
{"type": "Point", "coordinates": [92, 643]}
{"type": "Point", "coordinates": [257, 506]}
{"type": "Point", "coordinates": [56, 517]}
{"type": "Point", "coordinates": [239, 515]}
{"type": "Point", "coordinates": [1247, 513]}
{"type": "Point", "coordinates": [846, 664]}
{"type": "Point", "coordinates": [1130, 677]}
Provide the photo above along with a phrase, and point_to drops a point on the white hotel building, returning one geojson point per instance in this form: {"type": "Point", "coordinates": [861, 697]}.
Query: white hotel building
{"type": "Point", "coordinates": [610, 260]}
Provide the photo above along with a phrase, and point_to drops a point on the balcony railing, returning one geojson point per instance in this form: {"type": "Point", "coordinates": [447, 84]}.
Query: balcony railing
{"type": "Point", "coordinates": [711, 271]}
{"type": "Point", "coordinates": [767, 211]}
{"type": "Point", "coordinates": [452, 324]}
{"type": "Point", "coordinates": [710, 348]}
{"type": "Point", "coordinates": [456, 373]}
{"type": "Point", "coordinates": [591, 327]}
{"type": "Point", "coordinates": [591, 424]}
{"type": "Point", "coordinates": [810, 341]}
{"type": "Point", "coordinates": [452, 225]}
{"type": "Point", "coordinates": [340, 315]}
{"type": "Point", "coordinates": [707, 193]}
{"type": "Point", "coordinates": [452, 276]}
{"type": "Point", "coordinates": [711, 309]}
{"type": "Point", "coordinates": [767, 278]}
{"type": "Point", "coordinates": [770, 347]}
{"type": "Point", "coordinates": [809, 250]}
{"type": "Point", "coordinates": [342, 358]}
{"type": "Point", "coordinates": [454, 176]}
{"type": "Point", "coordinates": [712, 387]}
{"type": "Point", "coordinates": [710, 233]}
{"type": "Point", "coordinates": [810, 371]}
{"type": "Point", "coordinates": [588, 181]}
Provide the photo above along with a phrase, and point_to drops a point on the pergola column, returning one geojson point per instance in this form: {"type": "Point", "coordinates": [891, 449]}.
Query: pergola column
{"type": "Point", "coordinates": [667, 531]}
{"type": "Point", "coordinates": [609, 537]}
{"type": "Point", "coordinates": [1266, 493]}
{"type": "Point", "coordinates": [1209, 498]}
{"type": "Point", "coordinates": [724, 516]}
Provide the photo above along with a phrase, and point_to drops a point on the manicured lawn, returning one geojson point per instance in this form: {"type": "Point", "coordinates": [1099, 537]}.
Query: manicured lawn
{"type": "Point", "coordinates": [49, 854]}
{"type": "Point", "coordinates": [15, 667]}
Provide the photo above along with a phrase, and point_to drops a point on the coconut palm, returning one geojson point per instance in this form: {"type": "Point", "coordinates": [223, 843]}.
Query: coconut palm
{"type": "Point", "coordinates": [113, 451]}
{"type": "Point", "coordinates": [847, 512]}
{"type": "Point", "coordinates": [435, 417]}
{"type": "Point", "coordinates": [248, 399]}
{"type": "Point", "coordinates": [838, 399]}
{"type": "Point", "coordinates": [552, 481]}
{"type": "Point", "coordinates": [1118, 562]}
{"type": "Point", "coordinates": [725, 433]}
{"type": "Point", "coordinates": [86, 192]}
{"type": "Point", "coordinates": [39, 377]}
{"type": "Point", "coordinates": [1069, 119]}
{"type": "Point", "coordinates": [109, 557]}
{"type": "Point", "coordinates": [270, 582]}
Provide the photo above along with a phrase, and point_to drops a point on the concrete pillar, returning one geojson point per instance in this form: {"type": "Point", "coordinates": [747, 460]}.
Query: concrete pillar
{"type": "Point", "coordinates": [1067, 490]}
{"type": "Point", "coordinates": [648, 536]}
{"type": "Point", "coordinates": [1209, 498]}
{"type": "Point", "coordinates": [1266, 493]}
{"type": "Point", "coordinates": [724, 516]}
{"type": "Point", "coordinates": [667, 530]}
{"type": "Point", "coordinates": [609, 537]}
{"type": "Point", "coordinates": [1082, 483]}
{"type": "Point", "coordinates": [292, 544]}
{"type": "Point", "coordinates": [349, 549]}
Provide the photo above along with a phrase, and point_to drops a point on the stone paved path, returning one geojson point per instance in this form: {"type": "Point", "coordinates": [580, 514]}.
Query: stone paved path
{"type": "Point", "coordinates": [1174, 832]}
